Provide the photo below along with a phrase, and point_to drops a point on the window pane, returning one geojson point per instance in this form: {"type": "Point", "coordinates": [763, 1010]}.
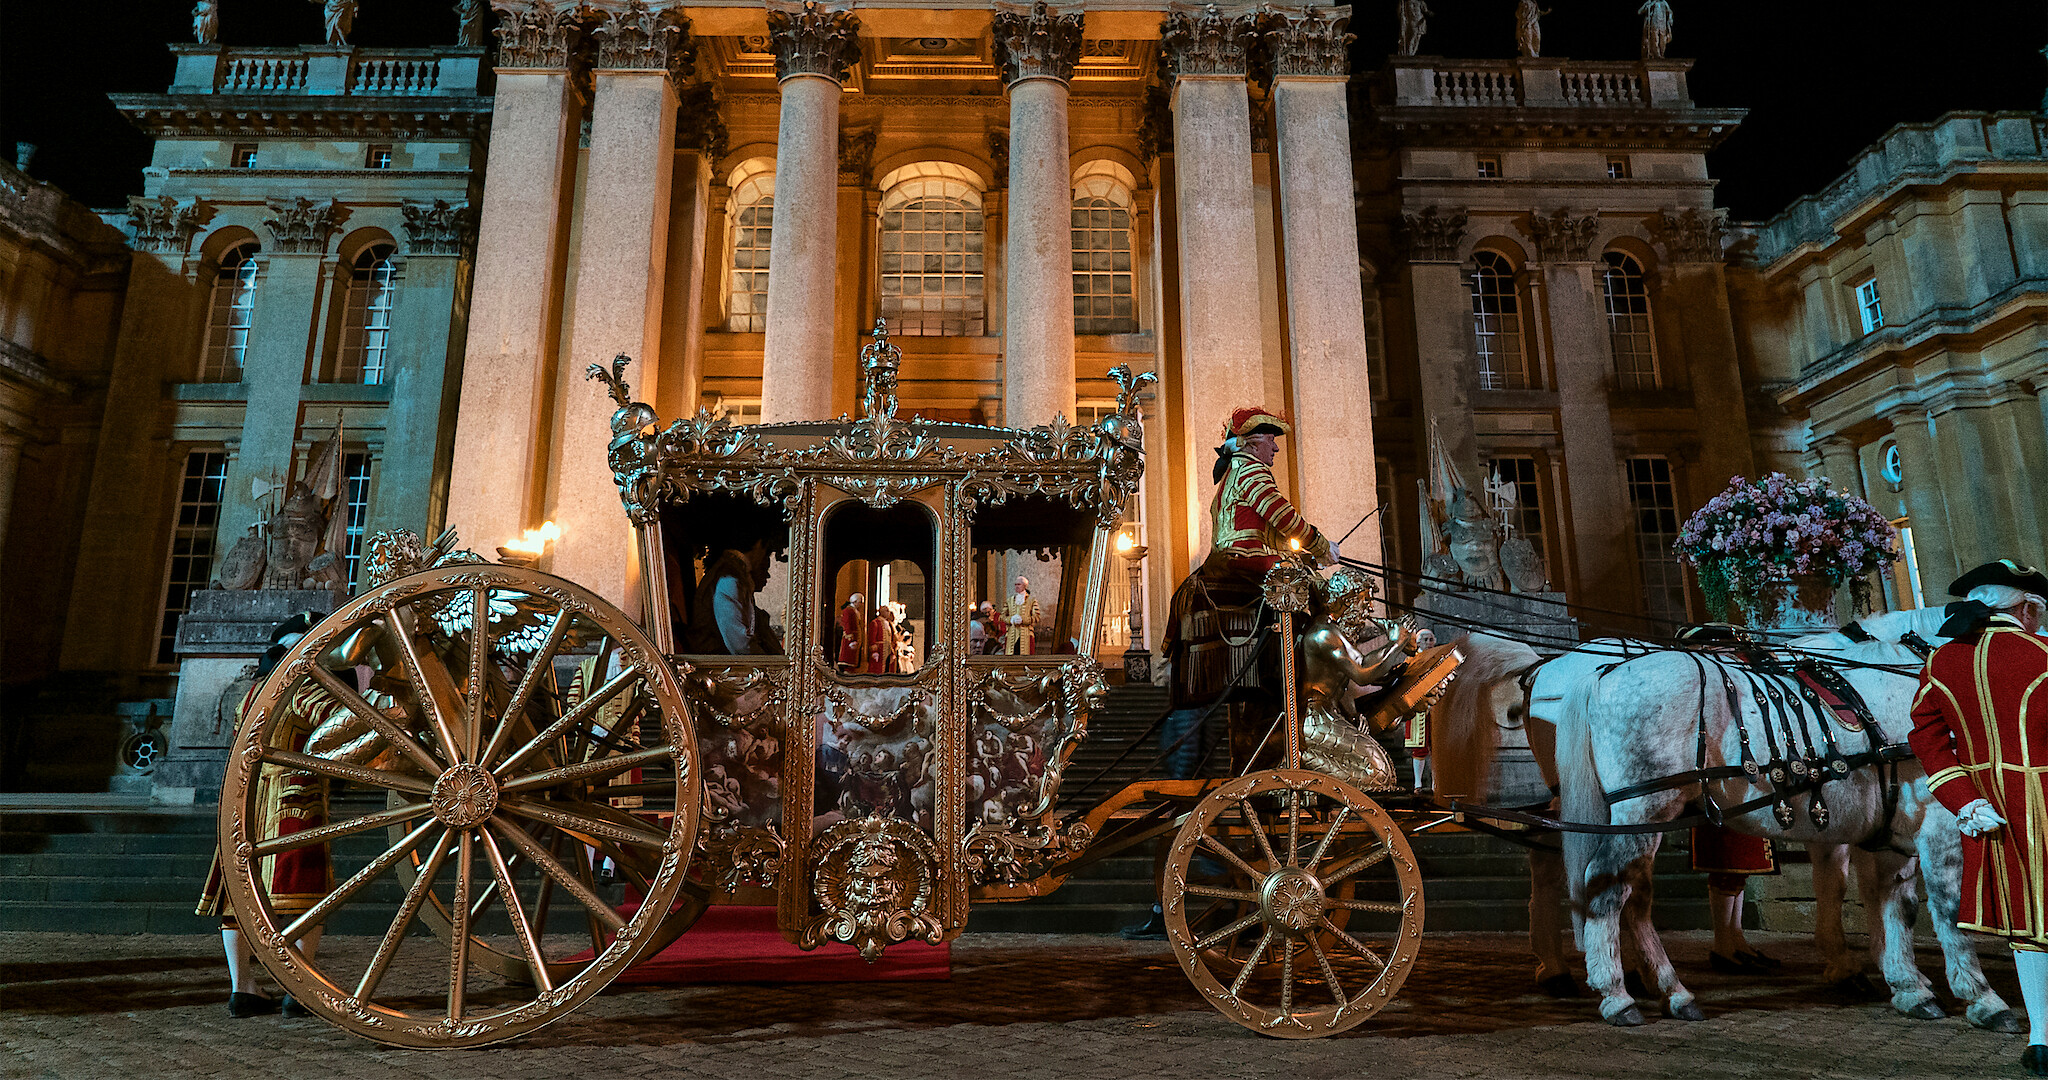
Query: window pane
{"type": "Point", "coordinates": [1628, 323]}
{"type": "Point", "coordinates": [746, 307]}
{"type": "Point", "coordinates": [190, 559]}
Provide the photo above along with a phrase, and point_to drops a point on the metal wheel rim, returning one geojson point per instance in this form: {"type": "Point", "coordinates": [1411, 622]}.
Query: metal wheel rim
{"type": "Point", "coordinates": [1289, 881]}
{"type": "Point", "coordinates": [460, 813]}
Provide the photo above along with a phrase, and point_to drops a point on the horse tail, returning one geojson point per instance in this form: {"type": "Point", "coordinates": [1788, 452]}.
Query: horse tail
{"type": "Point", "coordinates": [1462, 729]}
{"type": "Point", "coordinates": [1583, 799]}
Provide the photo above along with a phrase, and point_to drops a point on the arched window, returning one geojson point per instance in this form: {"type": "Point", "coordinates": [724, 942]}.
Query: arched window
{"type": "Point", "coordinates": [1628, 323]}
{"type": "Point", "coordinates": [931, 252]}
{"type": "Point", "coordinates": [1103, 298]}
{"type": "Point", "coordinates": [229, 315]}
{"type": "Point", "coordinates": [749, 217]}
{"type": "Point", "coordinates": [1497, 323]}
{"type": "Point", "coordinates": [366, 318]}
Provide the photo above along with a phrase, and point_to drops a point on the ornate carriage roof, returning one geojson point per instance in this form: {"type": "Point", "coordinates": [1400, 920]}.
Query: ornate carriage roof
{"type": "Point", "coordinates": [878, 457]}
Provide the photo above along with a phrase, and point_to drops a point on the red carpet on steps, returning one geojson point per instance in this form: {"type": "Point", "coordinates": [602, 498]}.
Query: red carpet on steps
{"type": "Point", "coordinates": [741, 944]}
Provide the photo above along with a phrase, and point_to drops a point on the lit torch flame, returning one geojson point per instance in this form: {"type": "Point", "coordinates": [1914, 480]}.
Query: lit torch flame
{"type": "Point", "coordinates": [535, 541]}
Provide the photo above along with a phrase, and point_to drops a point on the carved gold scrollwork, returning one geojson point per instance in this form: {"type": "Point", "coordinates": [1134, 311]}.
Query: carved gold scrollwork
{"type": "Point", "coordinates": [1015, 853]}
{"type": "Point", "coordinates": [876, 882]}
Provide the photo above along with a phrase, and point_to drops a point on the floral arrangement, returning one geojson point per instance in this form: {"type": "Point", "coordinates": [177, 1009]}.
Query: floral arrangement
{"type": "Point", "coordinates": [1755, 537]}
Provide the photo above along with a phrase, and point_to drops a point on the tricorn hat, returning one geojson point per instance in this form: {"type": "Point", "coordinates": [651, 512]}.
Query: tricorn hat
{"type": "Point", "coordinates": [1251, 419]}
{"type": "Point", "coordinates": [2002, 572]}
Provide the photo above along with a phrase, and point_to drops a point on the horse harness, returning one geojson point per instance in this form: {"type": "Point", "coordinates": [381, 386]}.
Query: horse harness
{"type": "Point", "coordinates": [1787, 692]}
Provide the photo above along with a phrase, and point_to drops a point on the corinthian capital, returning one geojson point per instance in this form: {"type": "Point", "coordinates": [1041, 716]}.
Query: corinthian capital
{"type": "Point", "coordinates": [1562, 237]}
{"type": "Point", "coordinates": [1206, 42]}
{"type": "Point", "coordinates": [165, 225]}
{"type": "Point", "coordinates": [813, 41]}
{"type": "Point", "coordinates": [437, 228]}
{"type": "Point", "coordinates": [1691, 236]}
{"type": "Point", "coordinates": [641, 38]}
{"type": "Point", "coordinates": [1037, 43]}
{"type": "Point", "coordinates": [536, 33]}
{"type": "Point", "coordinates": [302, 225]}
{"type": "Point", "coordinates": [1431, 236]}
{"type": "Point", "coordinates": [1311, 41]}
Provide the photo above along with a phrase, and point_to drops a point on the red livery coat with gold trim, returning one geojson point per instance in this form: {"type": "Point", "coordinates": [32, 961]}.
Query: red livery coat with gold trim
{"type": "Point", "coordinates": [1980, 726]}
{"type": "Point", "coordinates": [1253, 521]}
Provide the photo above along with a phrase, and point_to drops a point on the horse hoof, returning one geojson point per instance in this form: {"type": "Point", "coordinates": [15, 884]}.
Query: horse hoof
{"type": "Point", "coordinates": [1629, 1017]}
{"type": "Point", "coordinates": [1926, 1010]}
{"type": "Point", "coordinates": [1688, 1011]}
{"type": "Point", "coordinates": [1559, 986]}
{"type": "Point", "coordinates": [2004, 1021]}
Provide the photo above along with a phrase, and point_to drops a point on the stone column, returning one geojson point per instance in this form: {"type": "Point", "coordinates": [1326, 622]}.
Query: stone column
{"type": "Point", "coordinates": [1933, 545]}
{"type": "Point", "coordinates": [419, 436]}
{"type": "Point", "coordinates": [516, 296]}
{"type": "Point", "coordinates": [813, 50]}
{"type": "Point", "coordinates": [1333, 443]}
{"type": "Point", "coordinates": [695, 229]}
{"type": "Point", "coordinates": [10, 462]}
{"type": "Point", "coordinates": [1037, 50]}
{"type": "Point", "coordinates": [1440, 301]}
{"type": "Point", "coordinates": [1218, 232]}
{"type": "Point", "coordinates": [621, 257]}
{"type": "Point", "coordinates": [1597, 503]}
{"type": "Point", "coordinates": [1838, 462]}
{"type": "Point", "coordinates": [289, 312]}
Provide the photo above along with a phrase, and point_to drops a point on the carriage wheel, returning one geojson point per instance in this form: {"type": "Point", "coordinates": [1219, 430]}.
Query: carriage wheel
{"type": "Point", "coordinates": [1303, 916]}
{"type": "Point", "coordinates": [498, 794]}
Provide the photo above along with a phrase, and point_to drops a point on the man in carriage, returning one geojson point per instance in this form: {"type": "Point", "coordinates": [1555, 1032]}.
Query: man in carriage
{"type": "Point", "coordinates": [1976, 723]}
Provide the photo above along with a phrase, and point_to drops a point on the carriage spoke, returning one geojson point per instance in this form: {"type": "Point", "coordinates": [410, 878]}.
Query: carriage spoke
{"type": "Point", "coordinates": [1251, 962]}
{"type": "Point", "coordinates": [1244, 895]}
{"type": "Point", "coordinates": [1230, 931]}
{"type": "Point", "coordinates": [317, 914]}
{"type": "Point", "coordinates": [594, 769]}
{"type": "Point", "coordinates": [515, 911]}
{"type": "Point", "coordinates": [1294, 826]}
{"type": "Point", "coordinates": [583, 711]}
{"type": "Point", "coordinates": [536, 669]}
{"type": "Point", "coordinates": [1366, 861]}
{"type": "Point", "coordinates": [402, 922]}
{"type": "Point", "coordinates": [1323, 848]}
{"type": "Point", "coordinates": [324, 833]}
{"type": "Point", "coordinates": [1231, 857]}
{"type": "Point", "coordinates": [373, 716]}
{"type": "Point", "coordinates": [1258, 828]}
{"type": "Point", "coordinates": [434, 687]}
{"type": "Point", "coordinates": [1287, 977]}
{"type": "Point", "coordinates": [479, 664]}
{"type": "Point", "coordinates": [1357, 946]}
{"type": "Point", "coordinates": [584, 895]}
{"type": "Point", "coordinates": [1377, 906]}
{"type": "Point", "coordinates": [590, 825]}
{"type": "Point", "coordinates": [458, 937]}
{"type": "Point", "coordinates": [1329, 974]}
{"type": "Point", "coordinates": [341, 770]}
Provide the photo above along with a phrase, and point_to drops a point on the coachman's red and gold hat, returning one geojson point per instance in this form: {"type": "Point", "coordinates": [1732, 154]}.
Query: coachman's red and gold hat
{"type": "Point", "coordinates": [1249, 420]}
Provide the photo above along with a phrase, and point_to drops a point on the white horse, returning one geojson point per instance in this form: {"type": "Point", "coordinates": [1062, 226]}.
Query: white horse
{"type": "Point", "coordinates": [1649, 714]}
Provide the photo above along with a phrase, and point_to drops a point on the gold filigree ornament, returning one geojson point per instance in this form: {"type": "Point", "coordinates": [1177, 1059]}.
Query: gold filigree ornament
{"type": "Point", "coordinates": [876, 880]}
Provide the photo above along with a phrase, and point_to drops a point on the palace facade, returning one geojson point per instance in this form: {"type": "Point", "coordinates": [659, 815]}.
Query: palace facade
{"type": "Point", "coordinates": [1518, 262]}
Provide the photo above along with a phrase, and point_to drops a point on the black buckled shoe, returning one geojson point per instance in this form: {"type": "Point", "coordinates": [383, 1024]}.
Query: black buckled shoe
{"type": "Point", "coordinates": [2034, 1059]}
{"type": "Point", "coordinates": [1152, 929]}
{"type": "Point", "coordinates": [292, 1010]}
{"type": "Point", "coordinates": [243, 1006]}
{"type": "Point", "coordinates": [1758, 961]}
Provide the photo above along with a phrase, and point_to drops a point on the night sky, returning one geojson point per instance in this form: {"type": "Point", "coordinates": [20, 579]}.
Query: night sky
{"type": "Point", "coordinates": [1822, 78]}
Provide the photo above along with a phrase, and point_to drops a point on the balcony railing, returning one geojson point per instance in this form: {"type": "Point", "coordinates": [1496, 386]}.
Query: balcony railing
{"type": "Point", "coordinates": [327, 71]}
{"type": "Point", "coordinates": [1540, 83]}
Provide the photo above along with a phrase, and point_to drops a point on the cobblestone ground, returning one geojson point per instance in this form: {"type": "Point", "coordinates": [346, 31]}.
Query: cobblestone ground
{"type": "Point", "coordinates": [1017, 1005]}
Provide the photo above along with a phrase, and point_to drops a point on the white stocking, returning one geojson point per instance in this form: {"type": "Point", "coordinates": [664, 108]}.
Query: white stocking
{"type": "Point", "coordinates": [310, 943]}
{"type": "Point", "coordinates": [241, 966]}
{"type": "Point", "coordinates": [2033, 967]}
{"type": "Point", "coordinates": [1727, 912]}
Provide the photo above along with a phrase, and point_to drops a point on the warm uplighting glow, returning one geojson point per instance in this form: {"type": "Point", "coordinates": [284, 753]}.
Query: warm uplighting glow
{"type": "Point", "coordinates": [1293, 544]}
{"type": "Point", "coordinates": [536, 540]}
{"type": "Point", "coordinates": [1124, 542]}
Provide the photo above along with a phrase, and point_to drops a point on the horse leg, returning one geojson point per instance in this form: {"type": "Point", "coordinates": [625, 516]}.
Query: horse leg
{"type": "Point", "coordinates": [1830, 884]}
{"type": "Point", "coordinates": [1941, 872]}
{"type": "Point", "coordinates": [1546, 923]}
{"type": "Point", "coordinates": [1656, 965]}
{"type": "Point", "coordinates": [1889, 903]}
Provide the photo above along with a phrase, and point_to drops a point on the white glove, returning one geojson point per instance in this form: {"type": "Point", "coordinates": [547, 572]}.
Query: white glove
{"type": "Point", "coordinates": [1979, 818]}
{"type": "Point", "coordinates": [1334, 556]}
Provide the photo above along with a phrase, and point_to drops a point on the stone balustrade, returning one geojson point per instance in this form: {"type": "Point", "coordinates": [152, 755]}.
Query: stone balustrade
{"type": "Point", "coordinates": [1428, 81]}
{"type": "Point", "coordinates": [328, 71]}
{"type": "Point", "coordinates": [1907, 154]}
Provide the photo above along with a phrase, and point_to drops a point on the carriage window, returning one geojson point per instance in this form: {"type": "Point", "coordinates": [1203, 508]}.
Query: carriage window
{"type": "Point", "coordinates": [880, 566]}
{"type": "Point", "coordinates": [721, 548]}
{"type": "Point", "coordinates": [1030, 576]}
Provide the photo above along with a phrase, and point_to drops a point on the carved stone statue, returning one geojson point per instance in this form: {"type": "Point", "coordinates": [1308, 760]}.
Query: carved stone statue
{"type": "Point", "coordinates": [339, 17]}
{"type": "Point", "coordinates": [1473, 536]}
{"type": "Point", "coordinates": [1529, 28]}
{"type": "Point", "coordinates": [878, 363]}
{"type": "Point", "coordinates": [1332, 665]}
{"type": "Point", "coordinates": [1656, 28]}
{"type": "Point", "coordinates": [1414, 23]}
{"type": "Point", "coordinates": [295, 533]}
{"type": "Point", "coordinates": [206, 21]}
{"type": "Point", "coordinates": [469, 16]}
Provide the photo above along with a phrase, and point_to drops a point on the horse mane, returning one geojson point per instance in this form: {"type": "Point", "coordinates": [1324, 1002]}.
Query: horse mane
{"type": "Point", "coordinates": [1886, 629]}
{"type": "Point", "coordinates": [1462, 740]}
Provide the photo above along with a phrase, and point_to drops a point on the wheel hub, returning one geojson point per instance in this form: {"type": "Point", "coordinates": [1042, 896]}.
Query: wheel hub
{"type": "Point", "coordinates": [465, 795]}
{"type": "Point", "coordinates": [1292, 901]}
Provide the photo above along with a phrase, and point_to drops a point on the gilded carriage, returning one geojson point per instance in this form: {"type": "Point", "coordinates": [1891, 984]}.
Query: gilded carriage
{"type": "Point", "coordinates": [562, 791]}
